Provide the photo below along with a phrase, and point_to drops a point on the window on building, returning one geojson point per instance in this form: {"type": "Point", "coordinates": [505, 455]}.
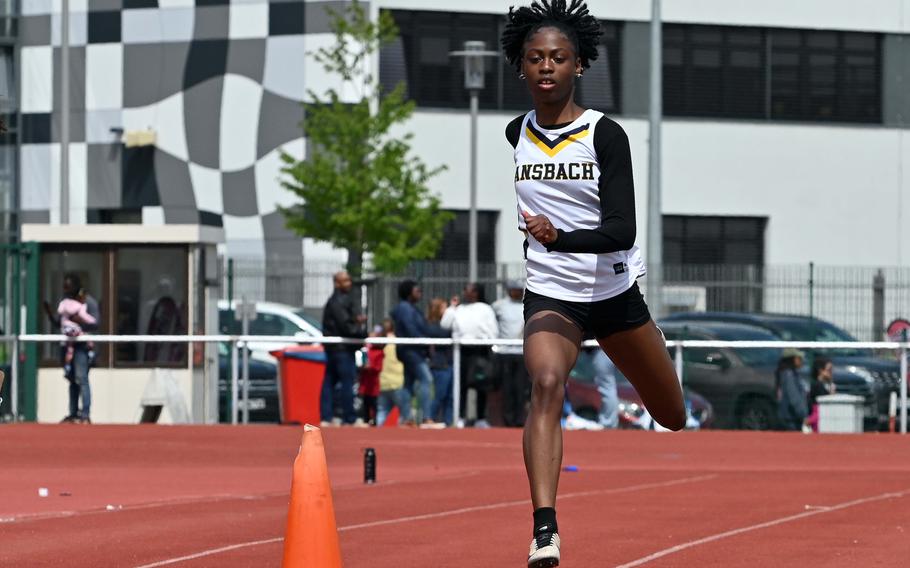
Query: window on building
{"type": "Point", "coordinates": [140, 290]}
{"type": "Point", "coordinates": [7, 79]}
{"type": "Point", "coordinates": [713, 71]}
{"type": "Point", "coordinates": [725, 255]}
{"type": "Point", "coordinates": [824, 75]}
{"type": "Point", "coordinates": [9, 21]}
{"type": "Point", "coordinates": [114, 216]}
{"type": "Point", "coordinates": [89, 266]}
{"type": "Point", "coordinates": [456, 238]}
{"type": "Point", "coordinates": [599, 86]}
{"type": "Point", "coordinates": [740, 72]}
{"type": "Point", "coordinates": [714, 240]}
{"type": "Point", "coordinates": [420, 59]}
{"type": "Point", "coordinates": [150, 287]}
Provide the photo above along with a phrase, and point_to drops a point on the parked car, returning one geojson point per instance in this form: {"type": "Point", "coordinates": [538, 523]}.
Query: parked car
{"type": "Point", "coordinates": [271, 319]}
{"type": "Point", "coordinates": [855, 371]}
{"type": "Point", "coordinates": [263, 391]}
{"type": "Point", "coordinates": [586, 401]}
{"type": "Point", "coordinates": [739, 383]}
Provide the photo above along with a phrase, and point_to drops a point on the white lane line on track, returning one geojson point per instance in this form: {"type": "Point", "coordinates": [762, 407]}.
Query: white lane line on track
{"type": "Point", "coordinates": [524, 502]}
{"type": "Point", "coordinates": [199, 499]}
{"type": "Point", "coordinates": [440, 514]}
{"type": "Point", "coordinates": [205, 553]}
{"type": "Point", "coordinates": [766, 524]}
{"type": "Point", "coordinates": [190, 500]}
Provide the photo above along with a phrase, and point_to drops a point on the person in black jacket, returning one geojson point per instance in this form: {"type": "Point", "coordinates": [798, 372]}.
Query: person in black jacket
{"type": "Point", "coordinates": [340, 318]}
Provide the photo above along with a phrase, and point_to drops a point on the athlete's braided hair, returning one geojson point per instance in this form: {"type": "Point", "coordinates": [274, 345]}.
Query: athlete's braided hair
{"type": "Point", "coordinates": [574, 20]}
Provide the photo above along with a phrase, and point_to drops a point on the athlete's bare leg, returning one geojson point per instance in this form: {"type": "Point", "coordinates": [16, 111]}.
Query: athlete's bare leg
{"type": "Point", "coordinates": [641, 355]}
{"type": "Point", "coordinates": [550, 350]}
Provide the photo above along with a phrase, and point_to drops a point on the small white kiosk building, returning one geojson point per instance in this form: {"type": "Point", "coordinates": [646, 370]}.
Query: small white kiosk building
{"type": "Point", "coordinates": [148, 280]}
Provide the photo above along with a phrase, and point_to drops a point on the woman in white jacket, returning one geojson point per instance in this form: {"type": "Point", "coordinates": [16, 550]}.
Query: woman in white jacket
{"type": "Point", "coordinates": [472, 318]}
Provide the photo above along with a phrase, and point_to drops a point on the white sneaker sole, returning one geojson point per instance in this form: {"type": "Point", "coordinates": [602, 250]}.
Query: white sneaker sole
{"type": "Point", "coordinates": [543, 563]}
{"type": "Point", "coordinates": [545, 557]}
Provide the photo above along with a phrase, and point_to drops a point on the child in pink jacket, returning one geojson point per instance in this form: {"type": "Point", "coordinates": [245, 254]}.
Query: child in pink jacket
{"type": "Point", "coordinates": [70, 310]}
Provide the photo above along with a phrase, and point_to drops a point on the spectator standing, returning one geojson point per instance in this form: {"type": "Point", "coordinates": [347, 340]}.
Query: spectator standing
{"type": "Point", "coordinates": [392, 392]}
{"type": "Point", "coordinates": [73, 314]}
{"type": "Point", "coordinates": [792, 390]}
{"type": "Point", "coordinates": [473, 318]}
{"type": "Point", "coordinates": [822, 385]}
{"type": "Point", "coordinates": [368, 385]}
{"type": "Point", "coordinates": [341, 318]}
{"type": "Point", "coordinates": [605, 379]}
{"type": "Point", "coordinates": [82, 356]}
{"type": "Point", "coordinates": [440, 366]}
{"type": "Point", "coordinates": [510, 364]}
{"type": "Point", "coordinates": [410, 322]}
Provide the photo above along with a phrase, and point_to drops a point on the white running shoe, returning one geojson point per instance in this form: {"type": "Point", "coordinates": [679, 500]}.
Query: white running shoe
{"type": "Point", "coordinates": [544, 551]}
{"type": "Point", "coordinates": [576, 422]}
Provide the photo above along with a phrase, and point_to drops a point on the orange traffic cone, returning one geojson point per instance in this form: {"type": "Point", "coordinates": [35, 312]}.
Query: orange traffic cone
{"type": "Point", "coordinates": [391, 420]}
{"type": "Point", "coordinates": [311, 539]}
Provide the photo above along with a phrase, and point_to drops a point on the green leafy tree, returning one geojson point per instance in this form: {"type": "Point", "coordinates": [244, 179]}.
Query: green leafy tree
{"type": "Point", "coordinates": [360, 186]}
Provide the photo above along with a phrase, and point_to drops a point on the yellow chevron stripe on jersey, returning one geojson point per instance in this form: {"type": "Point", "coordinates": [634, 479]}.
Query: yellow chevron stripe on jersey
{"type": "Point", "coordinates": [551, 148]}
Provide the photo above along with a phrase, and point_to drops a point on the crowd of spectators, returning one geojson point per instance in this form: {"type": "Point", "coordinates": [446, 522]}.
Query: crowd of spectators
{"type": "Point", "coordinates": [413, 384]}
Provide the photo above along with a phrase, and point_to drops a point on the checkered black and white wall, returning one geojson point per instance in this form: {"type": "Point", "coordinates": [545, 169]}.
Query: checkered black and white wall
{"type": "Point", "coordinates": [219, 81]}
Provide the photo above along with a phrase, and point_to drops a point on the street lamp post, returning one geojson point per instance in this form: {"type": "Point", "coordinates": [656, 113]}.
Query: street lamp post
{"type": "Point", "coordinates": [655, 219]}
{"type": "Point", "coordinates": [65, 113]}
{"type": "Point", "coordinates": [473, 53]}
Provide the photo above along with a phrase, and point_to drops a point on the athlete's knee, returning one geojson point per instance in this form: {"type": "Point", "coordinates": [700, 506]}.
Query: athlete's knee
{"type": "Point", "coordinates": [548, 385]}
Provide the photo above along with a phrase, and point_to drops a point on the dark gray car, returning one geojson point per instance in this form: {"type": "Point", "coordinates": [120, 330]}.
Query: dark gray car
{"type": "Point", "coordinates": [739, 383]}
{"type": "Point", "coordinates": [855, 371]}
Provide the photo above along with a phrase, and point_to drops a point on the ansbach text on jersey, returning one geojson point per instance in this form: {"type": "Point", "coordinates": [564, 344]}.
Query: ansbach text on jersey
{"type": "Point", "coordinates": [572, 170]}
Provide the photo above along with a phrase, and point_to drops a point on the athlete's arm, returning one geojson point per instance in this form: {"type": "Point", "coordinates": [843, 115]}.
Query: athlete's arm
{"type": "Point", "coordinates": [617, 198]}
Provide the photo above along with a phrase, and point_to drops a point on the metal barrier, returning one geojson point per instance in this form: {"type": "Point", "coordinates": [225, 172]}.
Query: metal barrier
{"type": "Point", "coordinates": [239, 341]}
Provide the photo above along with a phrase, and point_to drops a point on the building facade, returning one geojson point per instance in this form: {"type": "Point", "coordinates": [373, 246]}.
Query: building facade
{"type": "Point", "coordinates": [785, 138]}
{"type": "Point", "coordinates": [216, 87]}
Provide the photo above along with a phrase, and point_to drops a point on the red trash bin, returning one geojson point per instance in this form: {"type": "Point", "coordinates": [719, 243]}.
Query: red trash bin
{"type": "Point", "coordinates": [301, 369]}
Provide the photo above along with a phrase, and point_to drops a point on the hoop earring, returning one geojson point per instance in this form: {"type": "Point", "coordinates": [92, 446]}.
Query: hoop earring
{"type": "Point", "coordinates": [578, 75]}
{"type": "Point", "coordinates": [522, 76]}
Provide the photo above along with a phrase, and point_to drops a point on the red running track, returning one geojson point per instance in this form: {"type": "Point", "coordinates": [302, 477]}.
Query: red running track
{"type": "Point", "coordinates": [140, 496]}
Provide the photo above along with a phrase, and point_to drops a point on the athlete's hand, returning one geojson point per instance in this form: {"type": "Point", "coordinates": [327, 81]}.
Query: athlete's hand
{"type": "Point", "coordinates": [540, 228]}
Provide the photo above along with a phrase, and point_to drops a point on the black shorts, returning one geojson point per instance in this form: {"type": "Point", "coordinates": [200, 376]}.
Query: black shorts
{"type": "Point", "coordinates": [598, 319]}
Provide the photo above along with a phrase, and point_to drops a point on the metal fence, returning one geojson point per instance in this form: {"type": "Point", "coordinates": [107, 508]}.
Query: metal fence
{"type": "Point", "coordinates": [677, 348]}
{"type": "Point", "coordinates": [861, 300]}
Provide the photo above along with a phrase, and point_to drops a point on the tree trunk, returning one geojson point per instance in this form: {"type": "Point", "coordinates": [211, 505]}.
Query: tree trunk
{"type": "Point", "coordinates": [355, 262]}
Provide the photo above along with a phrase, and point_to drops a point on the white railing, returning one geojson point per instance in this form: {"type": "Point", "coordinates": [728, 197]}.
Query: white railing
{"type": "Point", "coordinates": [239, 341]}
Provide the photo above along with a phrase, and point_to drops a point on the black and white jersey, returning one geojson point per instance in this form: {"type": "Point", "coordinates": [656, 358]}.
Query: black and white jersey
{"type": "Point", "coordinates": [580, 176]}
